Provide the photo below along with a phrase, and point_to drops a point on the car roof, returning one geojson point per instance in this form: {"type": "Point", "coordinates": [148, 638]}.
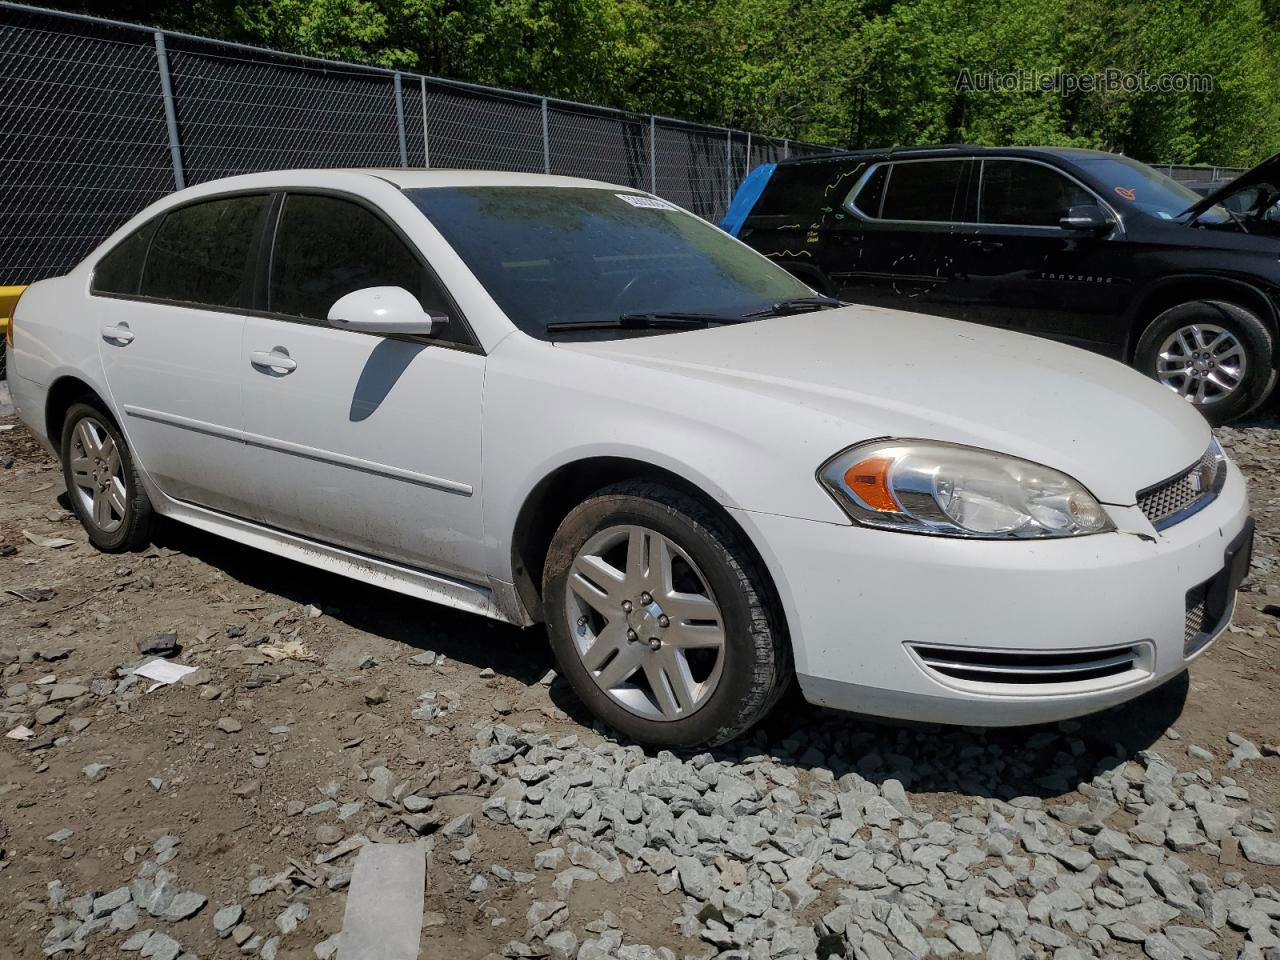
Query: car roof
{"type": "Point", "coordinates": [408, 178]}
{"type": "Point", "coordinates": [947, 149]}
{"type": "Point", "coordinates": [411, 178]}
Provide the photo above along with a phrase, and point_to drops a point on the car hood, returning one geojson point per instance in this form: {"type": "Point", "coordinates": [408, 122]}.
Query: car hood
{"type": "Point", "coordinates": [1268, 171]}
{"type": "Point", "coordinates": [858, 373]}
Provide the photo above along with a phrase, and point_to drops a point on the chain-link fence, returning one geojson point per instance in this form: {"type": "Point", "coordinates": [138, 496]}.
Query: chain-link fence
{"type": "Point", "coordinates": [99, 118]}
{"type": "Point", "coordinates": [1202, 174]}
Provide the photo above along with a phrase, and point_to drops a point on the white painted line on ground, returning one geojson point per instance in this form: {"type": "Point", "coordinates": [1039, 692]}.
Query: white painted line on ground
{"type": "Point", "coordinates": [384, 906]}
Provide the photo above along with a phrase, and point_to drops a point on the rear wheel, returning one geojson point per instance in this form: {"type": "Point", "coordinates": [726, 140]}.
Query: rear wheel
{"type": "Point", "coordinates": [660, 618]}
{"type": "Point", "coordinates": [102, 481]}
{"type": "Point", "coordinates": [1218, 356]}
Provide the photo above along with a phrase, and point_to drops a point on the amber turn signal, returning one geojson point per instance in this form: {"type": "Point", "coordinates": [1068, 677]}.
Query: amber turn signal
{"type": "Point", "coordinates": [869, 481]}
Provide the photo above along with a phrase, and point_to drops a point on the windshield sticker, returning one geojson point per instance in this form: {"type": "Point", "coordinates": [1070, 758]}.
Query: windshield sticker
{"type": "Point", "coordinates": [1127, 192]}
{"type": "Point", "coordinates": [651, 203]}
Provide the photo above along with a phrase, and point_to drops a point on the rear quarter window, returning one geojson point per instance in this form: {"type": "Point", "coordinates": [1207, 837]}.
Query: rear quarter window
{"type": "Point", "coordinates": [120, 270]}
{"type": "Point", "coordinates": [805, 190]}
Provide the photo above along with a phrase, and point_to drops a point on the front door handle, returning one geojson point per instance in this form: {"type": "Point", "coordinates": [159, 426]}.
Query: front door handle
{"type": "Point", "coordinates": [273, 360]}
{"type": "Point", "coordinates": [119, 334]}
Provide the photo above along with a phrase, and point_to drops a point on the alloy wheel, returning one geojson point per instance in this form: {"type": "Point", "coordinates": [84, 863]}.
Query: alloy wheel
{"type": "Point", "coordinates": [1202, 362]}
{"type": "Point", "coordinates": [645, 622]}
{"type": "Point", "coordinates": [97, 475]}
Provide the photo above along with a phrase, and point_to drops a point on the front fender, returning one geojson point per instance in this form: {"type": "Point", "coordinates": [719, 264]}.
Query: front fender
{"type": "Point", "coordinates": [546, 408]}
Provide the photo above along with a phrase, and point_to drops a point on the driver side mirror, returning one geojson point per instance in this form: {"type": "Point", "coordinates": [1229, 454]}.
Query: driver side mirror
{"type": "Point", "coordinates": [1085, 218]}
{"type": "Point", "coordinates": [385, 310]}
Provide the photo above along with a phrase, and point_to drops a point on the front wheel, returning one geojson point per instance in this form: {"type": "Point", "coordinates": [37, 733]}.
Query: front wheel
{"type": "Point", "coordinates": [1218, 356]}
{"type": "Point", "coordinates": [660, 618]}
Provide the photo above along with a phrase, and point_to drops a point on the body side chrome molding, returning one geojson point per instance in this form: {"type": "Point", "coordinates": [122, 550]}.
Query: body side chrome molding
{"type": "Point", "coordinates": [300, 450]}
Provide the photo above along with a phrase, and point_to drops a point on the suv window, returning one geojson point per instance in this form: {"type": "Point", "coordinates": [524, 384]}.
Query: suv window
{"type": "Point", "coordinates": [120, 271]}
{"type": "Point", "coordinates": [800, 191]}
{"type": "Point", "coordinates": [326, 247]}
{"type": "Point", "coordinates": [201, 252]}
{"type": "Point", "coordinates": [1019, 193]}
{"type": "Point", "coordinates": [868, 199]}
{"type": "Point", "coordinates": [922, 190]}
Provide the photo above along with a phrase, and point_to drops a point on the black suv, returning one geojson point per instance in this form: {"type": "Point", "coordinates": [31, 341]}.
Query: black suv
{"type": "Point", "coordinates": [1087, 247]}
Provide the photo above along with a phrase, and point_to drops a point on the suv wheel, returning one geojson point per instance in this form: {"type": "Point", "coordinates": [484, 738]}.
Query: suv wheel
{"type": "Point", "coordinates": [660, 619]}
{"type": "Point", "coordinates": [1216, 355]}
{"type": "Point", "coordinates": [102, 482]}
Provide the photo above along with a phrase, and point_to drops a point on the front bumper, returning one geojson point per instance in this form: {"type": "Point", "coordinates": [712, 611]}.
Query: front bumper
{"type": "Point", "coordinates": [1000, 633]}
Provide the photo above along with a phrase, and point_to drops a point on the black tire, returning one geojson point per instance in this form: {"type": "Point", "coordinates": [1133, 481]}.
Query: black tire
{"type": "Point", "coordinates": [757, 666]}
{"type": "Point", "coordinates": [133, 533]}
{"type": "Point", "coordinates": [806, 273]}
{"type": "Point", "coordinates": [1245, 325]}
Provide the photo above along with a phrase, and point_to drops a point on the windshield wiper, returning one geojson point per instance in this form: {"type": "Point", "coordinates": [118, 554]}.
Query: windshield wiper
{"type": "Point", "coordinates": [797, 305]}
{"type": "Point", "coordinates": [662, 320]}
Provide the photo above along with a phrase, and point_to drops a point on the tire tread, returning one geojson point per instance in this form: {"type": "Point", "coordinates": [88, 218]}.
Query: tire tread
{"type": "Point", "coordinates": [135, 533]}
{"type": "Point", "coordinates": [772, 660]}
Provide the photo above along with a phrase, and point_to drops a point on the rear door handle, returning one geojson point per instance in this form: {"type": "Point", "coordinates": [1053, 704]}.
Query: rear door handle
{"type": "Point", "coordinates": [986, 246]}
{"type": "Point", "coordinates": [273, 360]}
{"type": "Point", "coordinates": [119, 334]}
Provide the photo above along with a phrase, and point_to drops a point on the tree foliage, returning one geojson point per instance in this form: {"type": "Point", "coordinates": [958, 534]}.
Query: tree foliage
{"type": "Point", "coordinates": [845, 72]}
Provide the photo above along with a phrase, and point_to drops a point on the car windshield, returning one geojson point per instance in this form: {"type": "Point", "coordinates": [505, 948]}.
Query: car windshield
{"type": "Point", "coordinates": [1145, 188]}
{"type": "Point", "coordinates": [582, 256]}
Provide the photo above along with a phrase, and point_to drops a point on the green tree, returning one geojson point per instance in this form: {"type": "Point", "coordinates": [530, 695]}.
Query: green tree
{"type": "Point", "coordinates": [846, 72]}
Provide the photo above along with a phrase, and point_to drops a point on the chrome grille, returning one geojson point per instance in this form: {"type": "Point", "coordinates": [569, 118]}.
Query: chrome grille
{"type": "Point", "coordinates": [1027, 667]}
{"type": "Point", "coordinates": [1173, 500]}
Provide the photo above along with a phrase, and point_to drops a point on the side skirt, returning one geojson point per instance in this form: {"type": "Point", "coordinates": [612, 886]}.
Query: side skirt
{"type": "Point", "coordinates": [436, 588]}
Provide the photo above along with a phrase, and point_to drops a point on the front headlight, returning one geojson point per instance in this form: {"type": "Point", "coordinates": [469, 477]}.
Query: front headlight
{"type": "Point", "coordinates": [923, 486]}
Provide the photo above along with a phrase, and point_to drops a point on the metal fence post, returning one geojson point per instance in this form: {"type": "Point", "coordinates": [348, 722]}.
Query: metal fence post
{"type": "Point", "coordinates": [748, 150]}
{"type": "Point", "coordinates": [728, 166]}
{"type": "Point", "coordinates": [653, 154]}
{"type": "Point", "coordinates": [426, 143]}
{"type": "Point", "coordinates": [786, 149]}
{"type": "Point", "coordinates": [546, 139]}
{"type": "Point", "coordinates": [404, 146]}
{"type": "Point", "coordinates": [170, 115]}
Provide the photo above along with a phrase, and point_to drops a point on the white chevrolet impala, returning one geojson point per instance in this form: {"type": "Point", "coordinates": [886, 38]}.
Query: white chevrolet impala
{"type": "Point", "coordinates": [553, 400]}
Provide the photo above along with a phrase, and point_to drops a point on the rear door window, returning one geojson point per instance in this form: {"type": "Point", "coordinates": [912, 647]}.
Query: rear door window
{"type": "Point", "coordinates": [1018, 193]}
{"type": "Point", "coordinates": [120, 271]}
{"type": "Point", "coordinates": [202, 253]}
{"type": "Point", "coordinates": [327, 247]}
{"type": "Point", "coordinates": [922, 190]}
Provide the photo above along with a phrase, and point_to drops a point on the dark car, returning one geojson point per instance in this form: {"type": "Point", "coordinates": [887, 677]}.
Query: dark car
{"type": "Point", "coordinates": [1087, 247]}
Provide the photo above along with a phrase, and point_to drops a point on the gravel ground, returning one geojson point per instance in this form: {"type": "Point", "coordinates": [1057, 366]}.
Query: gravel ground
{"type": "Point", "coordinates": [219, 816]}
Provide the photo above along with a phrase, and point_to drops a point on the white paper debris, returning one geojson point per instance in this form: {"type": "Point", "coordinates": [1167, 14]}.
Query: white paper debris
{"type": "Point", "coordinates": [42, 541]}
{"type": "Point", "coordinates": [163, 672]}
{"type": "Point", "coordinates": [20, 733]}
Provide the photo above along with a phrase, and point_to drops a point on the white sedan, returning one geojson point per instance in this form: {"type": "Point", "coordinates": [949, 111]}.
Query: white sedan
{"type": "Point", "coordinates": [553, 400]}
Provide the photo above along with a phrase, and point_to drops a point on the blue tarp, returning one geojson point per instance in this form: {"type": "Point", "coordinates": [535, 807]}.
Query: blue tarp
{"type": "Point", "coordinates": [746, 197]}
